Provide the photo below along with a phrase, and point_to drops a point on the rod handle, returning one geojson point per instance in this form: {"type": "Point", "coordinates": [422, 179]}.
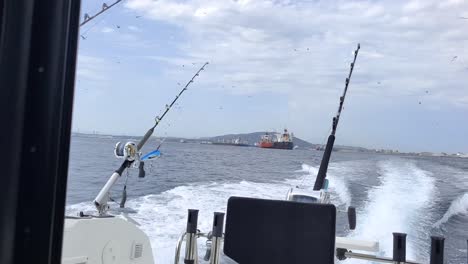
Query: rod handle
{"type": "Point", "coordinates": [218, 224]}
{"type": "Point", "coordinates": [192, 221]}
{"type": "Point", "coordinates": [141, 170]}
{"type": "Point", "coordinates": [399, 247]}
{"type": "Point", "coordinates": [437, 250]}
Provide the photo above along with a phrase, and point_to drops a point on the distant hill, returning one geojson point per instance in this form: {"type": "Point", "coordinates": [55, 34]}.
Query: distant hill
{"type": "Point", "coordinates": [250, 138]}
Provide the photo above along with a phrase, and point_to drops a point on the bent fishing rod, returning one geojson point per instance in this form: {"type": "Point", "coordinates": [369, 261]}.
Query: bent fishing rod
{"type": "Point", "coordinates": [130, 151]}
{"type": "Point", "coordinates": [322, 173]}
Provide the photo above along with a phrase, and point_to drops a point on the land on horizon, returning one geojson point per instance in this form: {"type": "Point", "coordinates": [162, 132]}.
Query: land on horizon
{"type": "Point", "coordinates": [253, 137]}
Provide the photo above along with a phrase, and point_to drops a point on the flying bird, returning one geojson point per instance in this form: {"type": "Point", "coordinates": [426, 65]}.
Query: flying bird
{"type": "Point", "coordinates": [118, 26]}
{"type": "Point", "coordinates": [463, 17]}
{"type": "Point", "coordinates": [454, 58]}
{"type": "Point", "coordinates": [83, 37]}
{"type": "Point", "coordinates": [137, 16]}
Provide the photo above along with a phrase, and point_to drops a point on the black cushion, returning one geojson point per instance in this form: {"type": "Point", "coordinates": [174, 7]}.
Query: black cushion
{"type": "Point", "coordinates": [272, 231]}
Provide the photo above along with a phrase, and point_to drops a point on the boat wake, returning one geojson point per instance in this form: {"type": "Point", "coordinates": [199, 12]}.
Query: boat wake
{"type": "Point", "coordinates": [393, 206]}
{"type": "Point", "coordinates": [457, 207]}
{"type": "Point", "coordinates": [163, 216]}
{"type": "Point", "coordinates": [399, 204]}
{"type": "Point", "coordinates": [337, 185]}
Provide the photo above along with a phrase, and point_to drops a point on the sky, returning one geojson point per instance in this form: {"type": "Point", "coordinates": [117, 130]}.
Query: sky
{"type": "Point", "coordinates": [279, 64]}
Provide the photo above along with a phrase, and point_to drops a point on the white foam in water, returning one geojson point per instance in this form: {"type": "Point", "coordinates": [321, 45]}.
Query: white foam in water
{"type": "Point", "coordinates": [398, 204]}
{"type": "Point", "coordinates": [337, 185]}
{"type": "Point", "coordinates": [458, 206]}
{"type": "Point", "coordinates": [163, 216]}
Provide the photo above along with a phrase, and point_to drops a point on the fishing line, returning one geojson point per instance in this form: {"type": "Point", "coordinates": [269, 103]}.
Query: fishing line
{"type": "Point", "coordinates": [91, 27]}
{"type": "Point", "coordinates": [88, 18]}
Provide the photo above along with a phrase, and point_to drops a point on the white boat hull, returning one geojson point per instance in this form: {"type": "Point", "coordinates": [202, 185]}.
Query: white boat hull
{"type": "Point", "coordinates": [107, 240]}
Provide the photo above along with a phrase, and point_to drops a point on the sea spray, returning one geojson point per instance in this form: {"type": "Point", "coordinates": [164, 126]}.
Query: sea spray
{"type": "Point", "coordinates": [458, 206]}
{"type": "Point", "coordinates": [337, 185]}
{"type": "Point", "coordinates": [398, 204]}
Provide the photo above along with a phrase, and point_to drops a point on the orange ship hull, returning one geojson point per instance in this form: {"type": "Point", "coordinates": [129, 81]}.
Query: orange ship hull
{"type": "Point", "coordinates": [266, 144]}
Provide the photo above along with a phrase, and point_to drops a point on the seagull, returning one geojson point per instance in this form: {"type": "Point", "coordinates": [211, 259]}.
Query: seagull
{"type": "Point", "coordinates": [83, 37]}
{"type": "Point", "coordinates": [378, 82]}
{"type": "Point", "coordinates": [137, 16]}
{"type": "Point", "coordinates": [118, 26]}
{"type": "Point", "coordinates": [454, 58]}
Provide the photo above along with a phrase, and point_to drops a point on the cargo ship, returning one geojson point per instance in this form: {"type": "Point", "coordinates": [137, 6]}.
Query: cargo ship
{"type": "Point", "coordinates": [278, 141]}
{"type": "Point", "coordinates": [233, 142]}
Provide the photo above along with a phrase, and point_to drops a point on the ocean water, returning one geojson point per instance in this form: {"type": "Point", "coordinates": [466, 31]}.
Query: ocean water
{"type": "Point", "coordinates": [421, 196]}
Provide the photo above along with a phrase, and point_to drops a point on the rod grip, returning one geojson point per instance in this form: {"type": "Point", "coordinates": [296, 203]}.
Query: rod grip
{"type": "Point", "coordinates": [141, 170]}
{"type": "Point", "coordinates": [192, 221]}
{"type": "Point", "coordinates": [399, 247]}
{"type": "Point", "coordinates": [437, 250]}
{"type": "Point", "coordinates": [218, 224]}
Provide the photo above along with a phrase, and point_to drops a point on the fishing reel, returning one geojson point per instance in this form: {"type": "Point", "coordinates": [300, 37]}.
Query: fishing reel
{"type": "Point", "coordinates": [129, 152]}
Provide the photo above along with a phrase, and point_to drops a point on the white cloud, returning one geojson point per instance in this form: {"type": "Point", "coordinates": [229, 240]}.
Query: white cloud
{"type": "Point", "coordinates": [134, 28]}
{"type": "Point", "coordinates": [94, 69]}
{"type": "Point", "coordinates": [305, 47]}
{"type": "Point", "coordinates": [416, 5]}
{"type": "Point", "coordinates": [107, 30]}
{"type": "Point", "coordinates": [449, 3]}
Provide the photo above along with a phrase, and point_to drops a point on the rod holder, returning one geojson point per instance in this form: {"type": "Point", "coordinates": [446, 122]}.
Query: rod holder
{"type": "Point", "coordinates": [352, 217]}
{"type": "Point", "coordinates": [191, 256]}
{"type": "Point", "coordinates": [437, 250]}
{"type": "Point", "coordinates": [217, 233]}
{"type": "Point", "coordinates": [399, 247]}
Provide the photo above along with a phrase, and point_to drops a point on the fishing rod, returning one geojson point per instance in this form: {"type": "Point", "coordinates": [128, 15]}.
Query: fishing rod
{"type": "Point", "coordinates": [131, 153]}
{"type": "Point", "coordinates": [322, 173]}
{"type": "Point", "coordinates": [105, 7]}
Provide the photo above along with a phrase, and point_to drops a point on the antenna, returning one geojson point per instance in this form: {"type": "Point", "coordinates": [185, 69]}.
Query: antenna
{"type": "Point", "coordinates": [322, 173]}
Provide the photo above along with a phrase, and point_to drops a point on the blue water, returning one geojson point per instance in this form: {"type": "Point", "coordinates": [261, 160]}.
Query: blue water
{"type": "Point", "coordinates": [421, 196]}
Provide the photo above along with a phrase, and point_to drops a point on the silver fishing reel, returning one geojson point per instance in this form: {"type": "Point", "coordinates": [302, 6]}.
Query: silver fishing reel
{"type": "Point", "coordinates": [128, 151]}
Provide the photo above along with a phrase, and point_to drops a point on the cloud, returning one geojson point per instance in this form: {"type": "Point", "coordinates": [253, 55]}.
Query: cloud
{"type": "Point", "coordinates": [304, 48]}
{"type": "Point", "coordinates": [93, 69]}
{"type": "Point", "coordinates": [134, 28]}
{"type": "Point", "coordinates": [107, 30]}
